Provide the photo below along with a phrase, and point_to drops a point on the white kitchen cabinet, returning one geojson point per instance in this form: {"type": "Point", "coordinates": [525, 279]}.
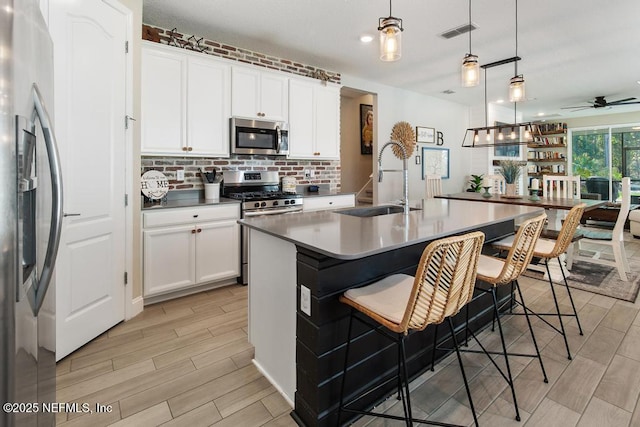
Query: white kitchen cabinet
{"type": "Point", "coordinates": [259, 94]}
{"type": "Point", "coordinates": [314, 120]}
{"type": "Point", "coordinates": [185, 103]}
{"type": "Point", "coordinates": [337, 201]}
{"type": "Point", "coordinates": [186, 247]}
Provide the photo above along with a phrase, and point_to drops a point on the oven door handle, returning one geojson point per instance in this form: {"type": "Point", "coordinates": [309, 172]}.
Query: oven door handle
{"type": "Point", "coordinates": [270, 212]}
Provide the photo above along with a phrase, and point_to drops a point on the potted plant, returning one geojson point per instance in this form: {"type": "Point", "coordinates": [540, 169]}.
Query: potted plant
{"type": "Point", "coordinates": [475, 183]}
{"type": "Point", "coordinates": [510, 170]}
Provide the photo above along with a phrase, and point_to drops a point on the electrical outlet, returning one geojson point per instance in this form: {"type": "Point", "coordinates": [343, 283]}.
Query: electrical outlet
{"type": "Point", "coordinates": [180, 174]}
{"type": "Point", "coordinates": [305, 300]}
{"type": "Point", "coordinates": [312, 173]}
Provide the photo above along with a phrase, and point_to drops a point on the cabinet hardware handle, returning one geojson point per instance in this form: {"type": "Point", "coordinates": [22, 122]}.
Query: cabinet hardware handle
{"type": "Point", "coordinates": [184, 148]}
{"type": "Point", "coordinates": [193, 231]}
{"type": "Point", "coordinates": [195, 216]}
{"type": "Point", "coordinates": [190, 149]}
{"type": "Point", "coordinates": [199, 230]}
{"type": "Point", "coordinates": [71, 214]}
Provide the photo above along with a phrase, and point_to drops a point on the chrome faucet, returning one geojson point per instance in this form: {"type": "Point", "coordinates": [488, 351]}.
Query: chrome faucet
{"type": "Point", "coordinates": [405, 172]}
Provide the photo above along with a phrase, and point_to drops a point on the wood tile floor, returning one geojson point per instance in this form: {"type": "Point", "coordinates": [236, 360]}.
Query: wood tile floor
{"type": "Point", "coordinates": [187, 362]}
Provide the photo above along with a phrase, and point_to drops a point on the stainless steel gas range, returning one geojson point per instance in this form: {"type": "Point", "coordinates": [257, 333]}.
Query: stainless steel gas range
{"type": "Point", "coordinates": [261, 195]}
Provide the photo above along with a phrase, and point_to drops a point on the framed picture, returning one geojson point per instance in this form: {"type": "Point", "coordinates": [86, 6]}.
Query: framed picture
{"type": "Point", "coordinates": [366, 124]}
{"type": "Point", "coordinates": [435, 161]}
{"type": "Point", "coordinates": [425, 134]}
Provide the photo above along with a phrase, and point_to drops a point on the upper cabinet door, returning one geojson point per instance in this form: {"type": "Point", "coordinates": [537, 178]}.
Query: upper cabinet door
{"type": "Point", "coordinates": [208, 106]}
{"type": "Point", "coordinates": [245, 92]}
{"type": "Point", "coordinates": [274, 90]}
{"type": "Point", "coordinates": [314, 120]}
{"type": "Point", "coordinates": [258, 94]}
{"type": "Point", "coordinates": [301, 134]}
{"type": "Point", "coordinates": [327, 121]}
{"type": "Point", "coordinates": [163, 102]}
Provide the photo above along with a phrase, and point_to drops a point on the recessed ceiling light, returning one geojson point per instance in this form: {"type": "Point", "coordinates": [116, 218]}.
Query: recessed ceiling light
{"type": "Point", "coordinates": [540, 114]}
{"type": "Point", "coordinates": [636, 128]}
{"type": "Point", "coordinates": [638, 81]}
{"type": "Point", "coordinates": [499, 101]}
{"type": "Point", "coordinates": [366, 38]}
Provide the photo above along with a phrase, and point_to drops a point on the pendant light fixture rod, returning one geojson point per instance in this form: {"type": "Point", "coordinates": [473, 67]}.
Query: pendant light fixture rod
{"type": "Point", "coordinates": [486, 114]}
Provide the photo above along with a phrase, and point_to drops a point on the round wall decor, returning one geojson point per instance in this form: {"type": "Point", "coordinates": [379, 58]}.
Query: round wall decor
{"type": "Point", "coordinates": [154, 184]}
{"type": "Point", "coordinates": [403, 133]}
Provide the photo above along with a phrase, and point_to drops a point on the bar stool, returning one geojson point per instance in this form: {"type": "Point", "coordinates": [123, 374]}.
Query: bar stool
{"type": "Point", "coordinates": [548, 249]}
{"type": "Point", "coordinates": [498, 272]}
{"type": "Point", "coordinates": [443, 284]}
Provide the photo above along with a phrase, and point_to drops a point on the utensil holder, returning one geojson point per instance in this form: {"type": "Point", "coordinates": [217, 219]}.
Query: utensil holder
{"type": "Point", "coordinates": [212, 192]}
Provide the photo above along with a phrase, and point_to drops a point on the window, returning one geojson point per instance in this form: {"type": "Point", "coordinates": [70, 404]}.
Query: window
{"type": "Point", "coordinates": [603, 156]}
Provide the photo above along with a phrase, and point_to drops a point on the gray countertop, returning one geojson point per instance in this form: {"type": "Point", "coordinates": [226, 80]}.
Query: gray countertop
{"type": "Point", "coordinates": [348, 237]}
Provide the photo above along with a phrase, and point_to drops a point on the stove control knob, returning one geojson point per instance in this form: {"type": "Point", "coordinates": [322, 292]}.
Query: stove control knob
{"type": "Point", "coordinates": [286, 202]}
{"type": "Point", "coordinates": [256, 204]}
{"type": "Point", "coordinates": [275, 203]}
{"type": "Point", "coordinates": [263, 204]}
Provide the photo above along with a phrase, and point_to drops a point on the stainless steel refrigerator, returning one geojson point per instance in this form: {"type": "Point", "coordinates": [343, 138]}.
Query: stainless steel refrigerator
{"type": "Point", "coordinates": [30, 216]}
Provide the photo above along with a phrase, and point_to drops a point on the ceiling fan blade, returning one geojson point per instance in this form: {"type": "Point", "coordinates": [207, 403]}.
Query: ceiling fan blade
{"type": "Point", "coordinates": [625, 103]}
{"type": "Point", "coordinates": [621, 101]}
{"type": "Point", "coordinates": [582, 107]}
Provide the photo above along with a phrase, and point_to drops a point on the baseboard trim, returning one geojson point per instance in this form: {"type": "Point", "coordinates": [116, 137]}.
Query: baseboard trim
{"type": "Point", "coordinates": [135, 308]}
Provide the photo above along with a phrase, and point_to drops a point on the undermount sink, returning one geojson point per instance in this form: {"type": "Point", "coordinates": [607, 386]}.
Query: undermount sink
{"type": "Point", "coordinates": [374, 211]}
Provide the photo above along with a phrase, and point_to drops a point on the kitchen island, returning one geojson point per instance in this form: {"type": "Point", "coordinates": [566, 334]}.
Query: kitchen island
{"type": "Point", "coordinates": [300, 263]}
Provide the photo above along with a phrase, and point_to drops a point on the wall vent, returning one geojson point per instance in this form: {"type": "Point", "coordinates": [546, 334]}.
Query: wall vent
{"type": "Point", "coordinates": [448, 91]}
{"type": "Point", "coordinates": [458, 31]}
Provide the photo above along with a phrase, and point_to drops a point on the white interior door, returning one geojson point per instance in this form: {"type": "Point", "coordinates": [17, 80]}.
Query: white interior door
{"type": "Point", "coordinates": [90, 93]}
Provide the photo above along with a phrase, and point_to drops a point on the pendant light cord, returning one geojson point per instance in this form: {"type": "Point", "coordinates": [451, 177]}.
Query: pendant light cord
{"type": "Point", "coordinates": [516, 37]}
{"type": "Point", "coordinates": [469, 27]}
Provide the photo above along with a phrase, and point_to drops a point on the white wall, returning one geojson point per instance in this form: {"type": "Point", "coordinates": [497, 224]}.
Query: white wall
{"type": "Point", "coordinates": [392, 105]}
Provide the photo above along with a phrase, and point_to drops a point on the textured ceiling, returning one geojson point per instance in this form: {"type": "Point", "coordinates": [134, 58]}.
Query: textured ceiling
{"type": "Point", "coordinates": [572, 50]}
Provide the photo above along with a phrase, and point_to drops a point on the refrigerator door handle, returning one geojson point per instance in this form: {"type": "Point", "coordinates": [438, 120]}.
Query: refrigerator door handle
{"type": "Point", "coordinates": [44, 280]}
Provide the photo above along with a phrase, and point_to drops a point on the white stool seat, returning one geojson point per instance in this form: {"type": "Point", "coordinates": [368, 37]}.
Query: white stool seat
{"type": "Point", "coordinates": [489, 266]}
{"type": "Point", "coordinates": [387, 297]}
{"type": "Point", "coordinates": [543, 247]}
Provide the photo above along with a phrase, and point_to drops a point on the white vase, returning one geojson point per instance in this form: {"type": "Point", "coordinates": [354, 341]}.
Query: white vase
{"type": "Point", "coordinates": [511, 190]}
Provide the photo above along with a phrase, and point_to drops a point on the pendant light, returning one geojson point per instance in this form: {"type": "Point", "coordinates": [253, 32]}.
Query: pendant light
{"type": "Point", "coordinates": [390, 37]}
{"type": "Point", "coordinates": [470, 67]}
{"type": "Point", "coordinates": [516, 84]}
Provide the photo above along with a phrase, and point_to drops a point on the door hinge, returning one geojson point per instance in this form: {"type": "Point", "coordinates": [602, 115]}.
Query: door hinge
{"type": "Point", "coordinates": [126, 46]}
{"type": "Point", "coordinates": [126, 200]}
{"type": "Point", "coordinates": [127, 119]}
{"type": "Point", "coordinates": [126, 278]}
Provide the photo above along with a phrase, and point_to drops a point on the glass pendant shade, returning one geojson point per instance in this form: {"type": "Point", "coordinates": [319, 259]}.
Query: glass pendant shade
{"type": "Point", "coordinates": [390, 39]}
{"type": "Point", "coordinates": [470, 71]}
{"type": "Point", "coordinates": [516, 89]}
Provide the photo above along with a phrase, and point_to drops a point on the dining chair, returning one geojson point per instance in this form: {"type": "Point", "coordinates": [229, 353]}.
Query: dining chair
{"type": "Point", "coordinates": [547, 249]}
{"type": "Point", "coordinates": [566, 187]}
{"type": "Point", "coordinates": [433, 186]}
{"type": "Point", "coordinates": [499, 183]}
{"type": "Point", "coordinates": [613, 238]}
{"type": "Point", "coordinates": [402, 304]}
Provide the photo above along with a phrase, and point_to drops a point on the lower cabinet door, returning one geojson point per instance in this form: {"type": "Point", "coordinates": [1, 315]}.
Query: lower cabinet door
{"type": "Point", "coordinates": [217, 250]}
{"type": "Point", "coordinates": [169, 259]}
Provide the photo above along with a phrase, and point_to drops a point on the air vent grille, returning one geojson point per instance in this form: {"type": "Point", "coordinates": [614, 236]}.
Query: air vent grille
{"type": "Point", "coordinates": [448, 91]}
{"type": "Point", "coordinates": [458, 31]}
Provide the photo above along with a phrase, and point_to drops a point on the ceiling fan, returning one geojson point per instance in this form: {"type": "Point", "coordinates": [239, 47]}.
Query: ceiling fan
{"type": "Point", "coordinates": [600, 102]}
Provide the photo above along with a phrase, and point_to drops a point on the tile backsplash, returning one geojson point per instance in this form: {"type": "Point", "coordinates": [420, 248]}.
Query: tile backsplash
{"type": "Point", "coordinates": [324, 171]}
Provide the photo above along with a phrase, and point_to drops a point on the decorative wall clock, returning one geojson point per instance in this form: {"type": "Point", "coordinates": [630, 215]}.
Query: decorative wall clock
{"type": "Point", "coordinates": [403, 133]}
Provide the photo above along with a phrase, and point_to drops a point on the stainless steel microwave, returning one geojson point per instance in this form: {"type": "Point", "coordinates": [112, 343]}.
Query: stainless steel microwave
{"type": "Point", "coordinates": [249, 136]}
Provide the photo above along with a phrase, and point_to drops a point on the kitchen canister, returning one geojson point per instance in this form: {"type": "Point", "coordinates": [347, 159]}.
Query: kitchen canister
{"type": "Point", "coordinates": [212, 192]}
{"type": "Point", "coordinates": [289, 184]}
